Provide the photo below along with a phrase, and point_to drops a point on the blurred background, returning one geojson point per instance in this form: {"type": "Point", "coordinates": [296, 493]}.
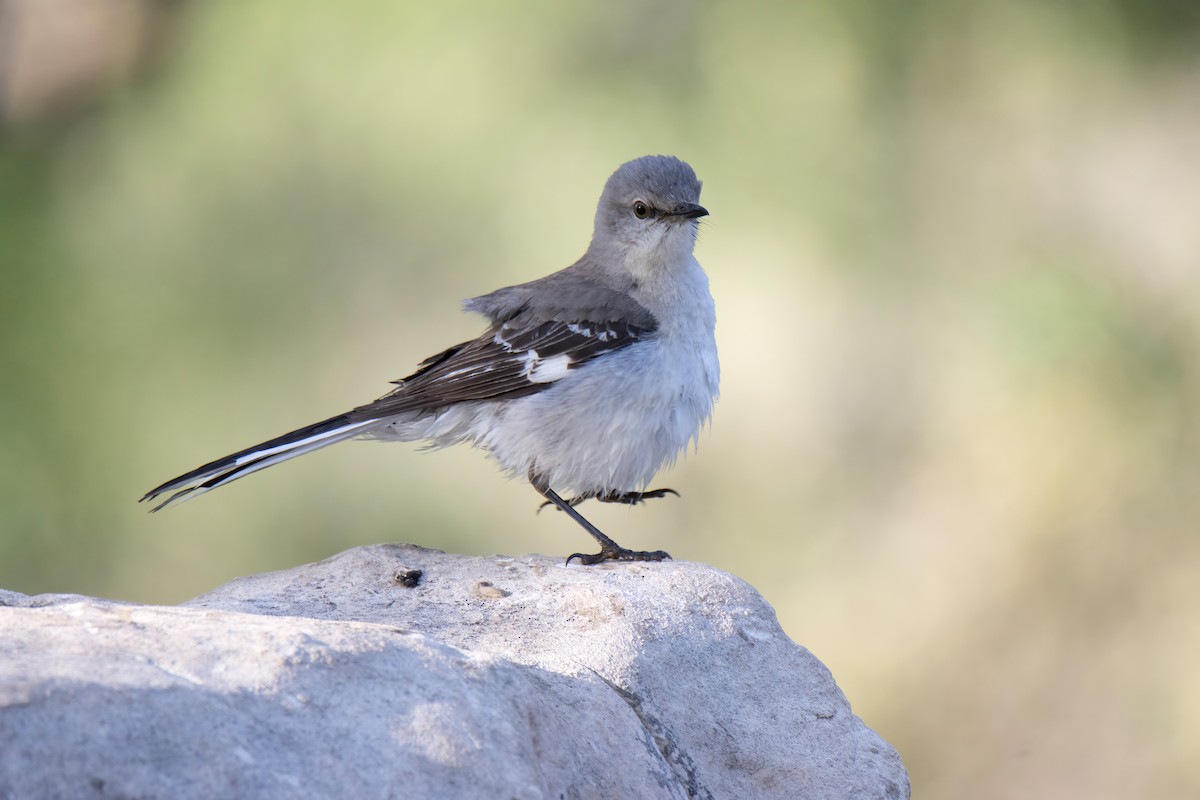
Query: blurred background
{"type": "Point", "coordinates": [956, 255]}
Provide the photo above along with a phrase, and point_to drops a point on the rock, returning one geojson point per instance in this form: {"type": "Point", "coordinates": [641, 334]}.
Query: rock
{"type": "Point", "coordinates": [395, 671]}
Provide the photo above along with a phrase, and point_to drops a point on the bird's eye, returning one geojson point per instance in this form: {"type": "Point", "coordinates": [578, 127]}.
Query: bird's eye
{"type": "Point", "coordinates": [641, 210]}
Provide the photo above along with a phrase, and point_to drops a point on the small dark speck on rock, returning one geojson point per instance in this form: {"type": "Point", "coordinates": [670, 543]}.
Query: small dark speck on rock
{"type": "Point", "coordinates": [408, 578]}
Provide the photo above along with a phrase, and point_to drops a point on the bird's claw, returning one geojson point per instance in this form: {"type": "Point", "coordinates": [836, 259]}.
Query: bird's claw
{"type": "Point", "coordinates": [627, 498]}
{"type": "Point", "coordinates": [619, 554]}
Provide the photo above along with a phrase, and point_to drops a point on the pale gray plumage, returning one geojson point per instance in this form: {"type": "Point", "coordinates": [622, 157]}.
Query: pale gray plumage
{"type": "Point", "coordinates": [588, 380]}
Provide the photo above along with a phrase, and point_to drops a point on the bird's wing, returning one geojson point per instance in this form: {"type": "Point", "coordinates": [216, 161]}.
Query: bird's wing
{"type": "Point", "coordinates": [509, 360]}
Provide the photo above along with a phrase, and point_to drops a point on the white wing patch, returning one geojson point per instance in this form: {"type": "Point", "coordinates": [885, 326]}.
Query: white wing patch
{"type": "Point", "coordinates": [548, 370]}
{"type": "Point", "coordinates": [552, 369]}
{"type": "Point", "coordinates": [536, 368]}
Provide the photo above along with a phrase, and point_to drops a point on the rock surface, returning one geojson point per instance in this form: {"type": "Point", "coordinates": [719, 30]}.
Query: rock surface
{"type": "Point", "coordinates": [393, 671]}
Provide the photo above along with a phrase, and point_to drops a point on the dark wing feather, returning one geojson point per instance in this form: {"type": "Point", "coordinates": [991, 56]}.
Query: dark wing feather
{"type": "Point", "coordinates": [501, 364]}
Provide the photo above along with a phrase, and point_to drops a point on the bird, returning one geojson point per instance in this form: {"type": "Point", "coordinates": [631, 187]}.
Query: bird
{"type": "Point", "coordinates": [586, 382]}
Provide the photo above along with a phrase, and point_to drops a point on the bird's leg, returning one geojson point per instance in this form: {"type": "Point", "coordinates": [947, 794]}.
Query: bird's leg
{"type": "Point", "coordinates": [628, 498]}
{"type": "Point", "coordinates": [609, 550]}
{"type": "Point", "coordinates": [574, 501]}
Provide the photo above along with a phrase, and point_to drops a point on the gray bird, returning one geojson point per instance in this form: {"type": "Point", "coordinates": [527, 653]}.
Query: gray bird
{"type": "Point", "coordinates": [587, 381]}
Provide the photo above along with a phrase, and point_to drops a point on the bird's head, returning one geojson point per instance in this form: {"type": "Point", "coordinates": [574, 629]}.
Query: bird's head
{"type": "Point", "coordinates": [649, 212]}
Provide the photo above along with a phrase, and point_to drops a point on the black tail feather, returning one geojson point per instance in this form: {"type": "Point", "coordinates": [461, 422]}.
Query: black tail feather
{"type": "Point", "coordinates": [236, 465]}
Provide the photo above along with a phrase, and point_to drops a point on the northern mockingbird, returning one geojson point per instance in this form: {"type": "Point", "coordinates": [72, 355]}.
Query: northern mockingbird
{"type": "Point", "coordinates": [587, 381]}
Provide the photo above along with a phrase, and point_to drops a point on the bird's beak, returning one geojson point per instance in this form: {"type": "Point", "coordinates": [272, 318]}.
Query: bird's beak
{"type": "Point", "coordinates": [689, 211]}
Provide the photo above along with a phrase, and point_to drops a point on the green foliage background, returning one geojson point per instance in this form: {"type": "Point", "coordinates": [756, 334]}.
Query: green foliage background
{"type": "Point", "coordinates": [956, 254]}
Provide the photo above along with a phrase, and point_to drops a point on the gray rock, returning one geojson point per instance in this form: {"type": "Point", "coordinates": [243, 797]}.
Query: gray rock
{"type": "Point", "coordinates": [395, 671]}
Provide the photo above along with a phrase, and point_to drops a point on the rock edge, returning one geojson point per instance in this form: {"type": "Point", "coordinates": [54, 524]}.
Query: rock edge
{"type": "Point", "coordinates": [395, 671]}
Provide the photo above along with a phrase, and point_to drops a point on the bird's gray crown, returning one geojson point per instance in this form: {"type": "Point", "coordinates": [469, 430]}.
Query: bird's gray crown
{"type": "Point", "coordinates": [662, 181]}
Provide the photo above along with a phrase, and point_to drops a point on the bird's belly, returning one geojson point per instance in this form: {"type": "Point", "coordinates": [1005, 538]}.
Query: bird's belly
{"type": "Point", "coordinates": [608, 426]}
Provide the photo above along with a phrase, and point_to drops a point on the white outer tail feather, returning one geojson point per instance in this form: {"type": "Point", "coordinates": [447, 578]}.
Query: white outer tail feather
{"type": "Point", "coordinates": [256, 460]}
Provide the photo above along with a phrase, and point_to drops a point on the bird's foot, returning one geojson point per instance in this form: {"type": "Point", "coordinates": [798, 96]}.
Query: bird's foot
{"type": "Point", "coordinates": [633, 498]}
{"type": "Point", "coordinates": [614, 552]}
{"type": "Point", "coordinates": [626, 498]}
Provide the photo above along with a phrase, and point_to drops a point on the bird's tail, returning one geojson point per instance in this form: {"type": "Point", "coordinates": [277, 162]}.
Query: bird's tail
{"type": "Point", "coordinates": [252, 459]}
